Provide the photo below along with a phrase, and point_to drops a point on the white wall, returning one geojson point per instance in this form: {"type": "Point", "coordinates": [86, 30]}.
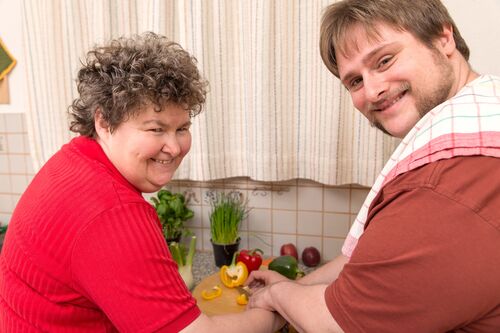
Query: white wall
{"type": "Point", "coordinates": [11, 34]}
{"type": "Point", "coordinates": [478, 22]}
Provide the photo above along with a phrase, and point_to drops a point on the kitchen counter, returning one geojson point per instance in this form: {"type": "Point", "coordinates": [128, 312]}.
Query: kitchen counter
{"type": "Point", "coordinates": [204, 265]}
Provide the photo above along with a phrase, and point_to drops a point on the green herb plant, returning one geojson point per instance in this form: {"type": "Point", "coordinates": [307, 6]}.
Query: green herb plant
{"type": "Point", "coordinates": [228, 210]}
{"type": "Point", "coordinates": [172, 212]}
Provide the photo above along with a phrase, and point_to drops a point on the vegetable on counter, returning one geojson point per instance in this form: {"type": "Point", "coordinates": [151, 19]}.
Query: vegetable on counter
{"type": "Point", "coordinates": [286, 266]}
{"type": "Point", "coordinates": [289, 250]}
{"type": "Point", "coordinates": [251, 258]}
{"type": "Point", "coordinates": [212, 293]}
{"type": "Point", "coordinates": [311, 256]}
{"type": "Point", "coordinates": [233, 275]}
{"type": "Point", "coordinates": [184, 262]}
{"type": "Point", "coordinates": [242, 299]}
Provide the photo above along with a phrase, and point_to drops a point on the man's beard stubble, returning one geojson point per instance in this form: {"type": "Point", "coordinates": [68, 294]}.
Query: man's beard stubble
{"type": "Point", "coordinates": [440, 94]}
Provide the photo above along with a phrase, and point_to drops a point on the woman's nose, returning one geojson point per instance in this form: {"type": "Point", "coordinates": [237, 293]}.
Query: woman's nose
{"type": "Point", "coordinates": [171, 145]}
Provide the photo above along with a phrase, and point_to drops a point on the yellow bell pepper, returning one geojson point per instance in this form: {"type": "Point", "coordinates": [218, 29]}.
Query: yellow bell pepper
{"type": "Point", "coordinates": [242, 299]}
{"type": "Point", "coordinates": [212, 293]}
{"type": "Point", "coordinates": [233, 275]}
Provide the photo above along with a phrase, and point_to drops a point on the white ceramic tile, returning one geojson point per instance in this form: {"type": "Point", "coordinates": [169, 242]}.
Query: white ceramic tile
{"type": "Point", "coordinates": [258, 198]}
{"type": "Point", "coordinates": [284, 221]}
{"type": "Point", "coordinates": [307, 241]}
{"type": "Point", "coordinates": [336, 225]}
{"type": "Point", "coordinates": [5, 184]}
{"type": "Point", "coordinates": [244, 224]}
{"type": "Point", "coordinates": [18, 183]}
{"type": "Point", "coordinates": [192, 195]}
{"type": "Point", "coordinates": [15, 200]}
{"type": "Point", "coordinates": [4, 163]}
{"type": "Point", "coordinates": [358, 196]}
{"type": "Point", "coordinates": [207, 246]}
{"type": "Point", "coordinates": [310, 223]}
{"type": "Point", "coordinates": [205, 216]}
{"type": "Point", "coordinates": [332, 247]}
{"type": "Point", "coordinates": [14, 123]}
{"type": "Point", "coordinates": [28, 162]}
{"type": "Point", "coordinates": [2, 123]}
{"type": "Point", "coordinates": [279, 240]}
{"type": "Point", "coordinates": [15, 143]}
{"type": "Point", "coordinates": [260, 220]}
{"type": "Point", "coordinates": [17, 164]}
{"type": "Point", "coordinates": [336, 200]}
{"type": "Point", "coordinates": [310, 198]}
{"type": "Point", "coordinates": [3, 143]}
{"type": "Point", "coordinates": [196, 220]}
{"type": "Point", "coordinates": [262, 241]}
{"type": "Point", "coordinates": [6, 203]}
{"type": "Point", "coordinates": [5, 218]}
{"type": "Point", "coordinates": [285, 198]}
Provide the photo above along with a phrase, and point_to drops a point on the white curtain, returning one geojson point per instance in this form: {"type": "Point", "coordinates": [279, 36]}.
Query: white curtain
{"type": "Point", "coordinates": [273, 113]}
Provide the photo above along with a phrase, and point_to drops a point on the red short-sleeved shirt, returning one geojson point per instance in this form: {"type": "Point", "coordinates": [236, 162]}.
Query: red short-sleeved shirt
{"type": "Point", "coordinates": [84, 252]}
{"type": "Point", "coordinates": [429, 259]}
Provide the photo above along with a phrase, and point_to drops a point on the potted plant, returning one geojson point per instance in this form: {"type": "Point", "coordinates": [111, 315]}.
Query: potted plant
{"type": "Point", "coordinates": [228, 210]}
{"type": "Point", "coordinates": [172, 212]}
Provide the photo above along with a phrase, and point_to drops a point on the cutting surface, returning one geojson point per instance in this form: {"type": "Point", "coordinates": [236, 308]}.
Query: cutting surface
{"type": "Point", "coordinates": [225, 303]}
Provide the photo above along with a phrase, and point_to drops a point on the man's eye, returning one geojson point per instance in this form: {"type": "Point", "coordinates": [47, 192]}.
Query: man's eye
{"type": "Point", "coordinates": [156, 130]}
{"type": "Point", "coordinates": [353, 84]}
{"type": "Point", "coordinates": [384, 62]}
{"type": "Point", "coordinates": [183, 129]}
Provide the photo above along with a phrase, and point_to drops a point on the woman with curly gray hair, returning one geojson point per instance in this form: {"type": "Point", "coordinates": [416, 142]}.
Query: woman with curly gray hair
{"type": "Point", "coordinates": [84, 251]}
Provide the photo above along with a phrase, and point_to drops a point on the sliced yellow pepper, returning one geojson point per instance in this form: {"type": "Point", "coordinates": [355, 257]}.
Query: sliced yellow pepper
{"type": "Point", "coordinates": [242, 299]}
{"type": "Point", "coordinates": [212, 293]}
{"type": "Point", "coordinates": [233, 275]}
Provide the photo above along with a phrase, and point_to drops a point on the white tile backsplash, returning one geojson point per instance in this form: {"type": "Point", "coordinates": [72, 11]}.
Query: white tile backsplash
{"type": "Point", "coordinates": [284, 221]}
{"type": "Point", "coordinates": [336, 224]}
{"type": "Point", "coordinates": [310, 223]}
{"type": "Point", "coordinates": [337, 200]}
{"type": "Point", "coordinates": [310, 198]}
{"type": "Point", "coordinates": [17, 164]}
{"type": "Point", "coordinates": [260, 220]}
{"type": "Point", "coordinates": [285, 198]}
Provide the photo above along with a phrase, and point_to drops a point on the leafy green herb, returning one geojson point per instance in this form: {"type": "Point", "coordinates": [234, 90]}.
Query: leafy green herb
{"type": "Point", "coordinates": [172, 212]}
{"type": "Point", "coordinates": [228, 211]}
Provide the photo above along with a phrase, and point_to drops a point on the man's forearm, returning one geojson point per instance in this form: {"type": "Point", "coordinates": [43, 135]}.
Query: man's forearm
{"type": "Point", "coordinates": [304, 306]}
{"type": "Point", "coordinates": [327, 273]}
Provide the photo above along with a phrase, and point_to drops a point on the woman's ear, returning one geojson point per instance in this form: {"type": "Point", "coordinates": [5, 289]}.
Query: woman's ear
{"type": "Point", "coordinates": [101, 125]}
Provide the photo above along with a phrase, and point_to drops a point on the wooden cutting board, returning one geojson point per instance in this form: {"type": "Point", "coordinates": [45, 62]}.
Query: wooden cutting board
{"type": "Point", "coordinates": [225, 303]}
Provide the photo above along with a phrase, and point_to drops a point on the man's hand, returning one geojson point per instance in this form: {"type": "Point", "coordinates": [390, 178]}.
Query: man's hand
{"type": "Point", "coordinates": [260, 279]}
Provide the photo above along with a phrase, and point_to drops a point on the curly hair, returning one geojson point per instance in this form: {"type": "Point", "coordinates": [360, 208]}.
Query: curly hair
{"type": "Point", "coordinates": [423, 18]}
{"type": "Point", "coordinates": [127, 73]}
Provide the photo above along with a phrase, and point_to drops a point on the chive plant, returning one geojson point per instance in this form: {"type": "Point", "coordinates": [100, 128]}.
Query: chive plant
{"type": "Point", "coordinates": [228, 211]}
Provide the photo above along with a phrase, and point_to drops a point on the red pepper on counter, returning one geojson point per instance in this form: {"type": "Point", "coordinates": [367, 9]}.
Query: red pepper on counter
{"type": "Point", "coordinates": [251, 258]}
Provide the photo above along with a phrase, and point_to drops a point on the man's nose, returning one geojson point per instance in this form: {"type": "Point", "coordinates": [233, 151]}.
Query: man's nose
{"type": "Point", "coordinates": [375, 88]}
